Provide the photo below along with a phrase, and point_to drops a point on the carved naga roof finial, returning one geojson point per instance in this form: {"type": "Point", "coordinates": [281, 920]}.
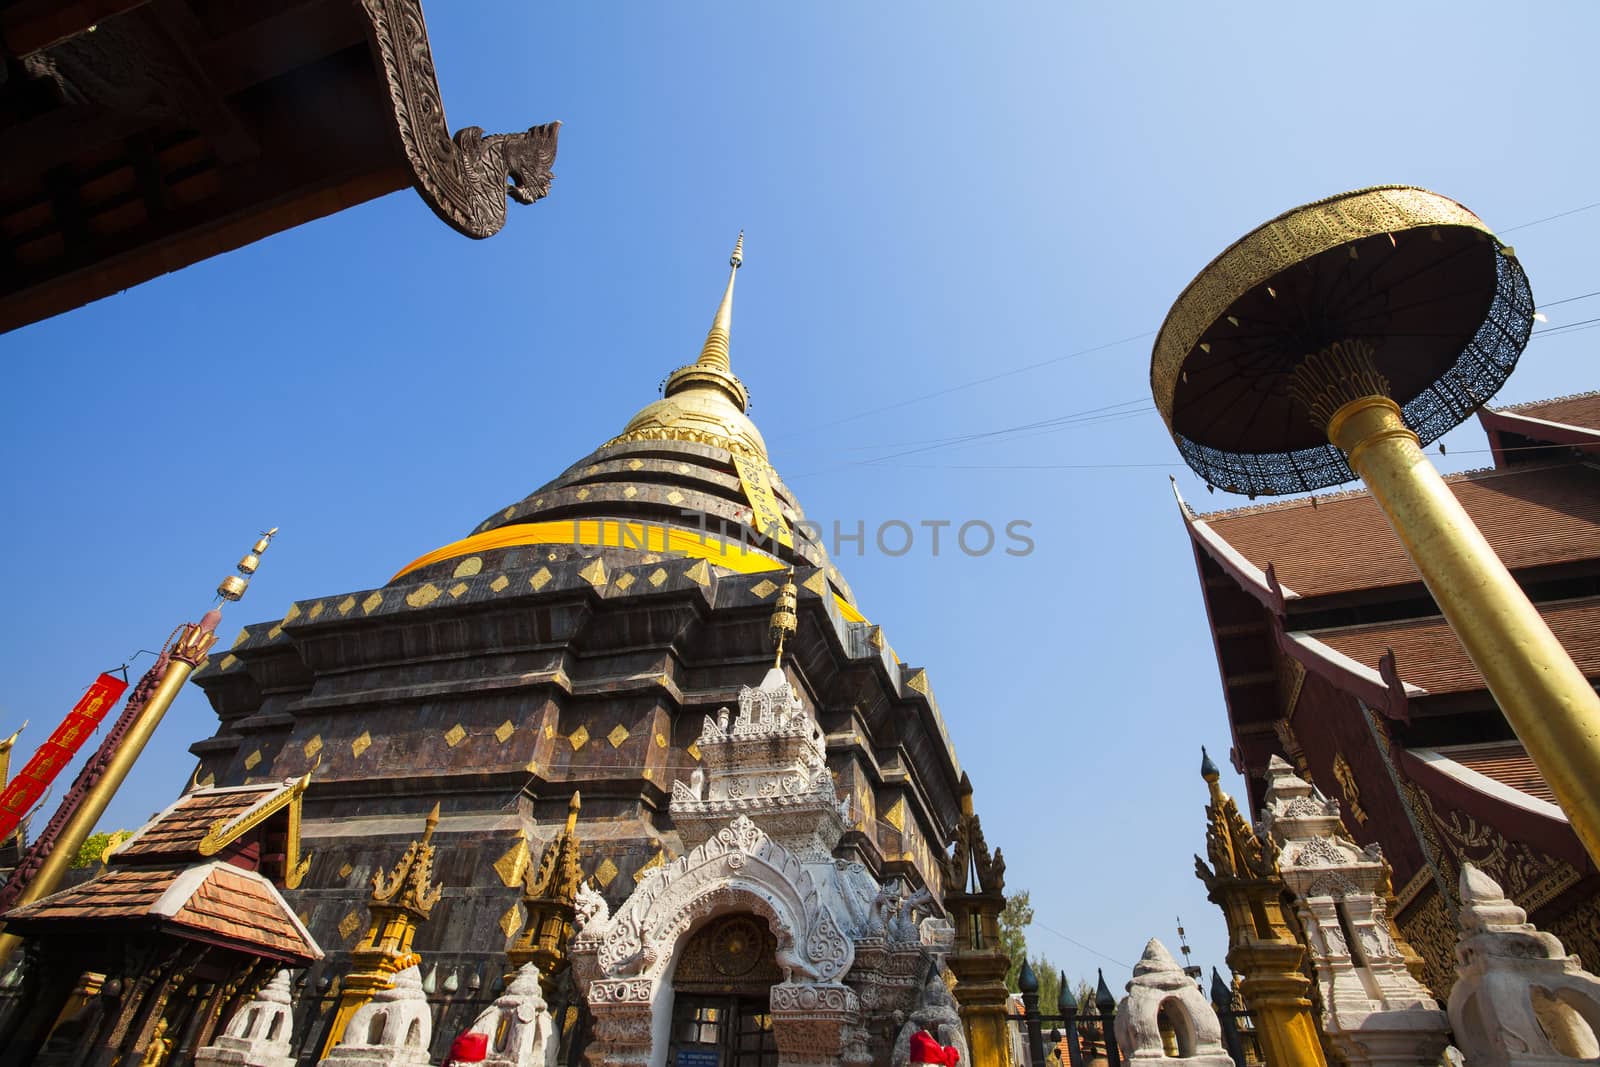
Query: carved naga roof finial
{"type": "Point", "coordinates": [785, 620]}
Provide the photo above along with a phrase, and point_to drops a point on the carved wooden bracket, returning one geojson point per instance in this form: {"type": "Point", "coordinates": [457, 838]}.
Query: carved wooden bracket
{"type": "Point", "coordinates": [465, 179]}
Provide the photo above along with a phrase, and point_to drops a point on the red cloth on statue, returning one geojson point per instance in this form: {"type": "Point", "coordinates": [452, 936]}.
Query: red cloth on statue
{"type": "Point", "coordinates": [470, 1048]}
{"type": "Point", "coordinates": [925, 1050]}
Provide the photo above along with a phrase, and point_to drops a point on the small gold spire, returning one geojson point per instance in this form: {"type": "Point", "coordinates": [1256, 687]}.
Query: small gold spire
{"type": "Point", "coordinates": [714, 353]}
{"type": "Point", "coordinates": [572, 811]}
{"type": "Point", "coordinates": [785, 621]}
{"type": "Point", "coordinates": [431, 823]}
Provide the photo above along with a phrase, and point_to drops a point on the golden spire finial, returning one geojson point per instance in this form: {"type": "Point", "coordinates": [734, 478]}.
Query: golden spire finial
{"type": "Point", "coordinates": [431, 823]}
{"type": "Point", "coordinates": [785, 621]}
{"type": "Point", "coordinates": [714, 353]}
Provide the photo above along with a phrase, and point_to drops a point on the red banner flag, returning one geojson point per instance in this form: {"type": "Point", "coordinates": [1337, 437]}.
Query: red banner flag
{"type": "Point", "coordinates": [24, 791]}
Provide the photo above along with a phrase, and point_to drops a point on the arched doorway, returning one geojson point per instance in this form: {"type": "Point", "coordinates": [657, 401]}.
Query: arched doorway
{"type": "Point", "coordinates": [721, 996]}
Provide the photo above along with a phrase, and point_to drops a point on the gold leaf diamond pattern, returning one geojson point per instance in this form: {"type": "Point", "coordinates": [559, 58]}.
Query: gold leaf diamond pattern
{"type": "Point", "coordinates": [655, 861]}
{"type": "Point", "coordinates": [618, 734]}
{"type": "Point", "coordinates": [274, 633]}
{"type": "Point", "coordinates": [583, 494]}
{"type": "Point", "coordinates": [346, 604]}
{"type": "Point", "coordinates": [549, 731]}
{"type": "Point", "coordinates": [313, 746]}
{"type": "Point", "coordinates": [316, 610]}
{"type": "Point", "coordinates": [344, 872]}
{"type": "Point", "coordinates": [624, 581]}
{"type": "Point", "coordinates": [508, 512]}
{"type": "Point", "coordinates": [594, 573]}
{"type": "Point", "coordinates": [503, 731]}
{"type": "Point", "coordinates": [764, 588]}
{"type": "Point", "coordinates": [227, 662]}
{"type": "Point", "coordinates": [605, 872]}
{"type": "Point", "coordinates": [693, 750]}
{"type": "Point", "coordinates": [455, 735]}
{"type": "Point", "coordinates": [630, 492]}
{"type": "Point", "coordinates": [253, 760]}
{"type": "Point", "coordinates": [244, 635]}
{"type": "Point", "coordinates": [918, 680]}
{"type": "Point", "coordinates": [675, 497]}
{"type": "Point", "coordinates": [661, 740]}
{"type": "Point", "coordinates": [457, 589]}
{"type": "Point", "coordinates": [421, 598]}
{"type": "Point", "coordinates": [816, 583]}
{"type": "Point", "coordinates": [369, 605]}
{"type": "Point", "coordinates": [658, 576]}
{"type": "Point", "coordinates": [511, 921]}
{"type": "Point", "coordinates": [683, 468]}
{"type": "Point", "coordinates": [349, 925]}
{"type": "Point", "coordinates": [540, 579]}
{"type": "Point", "coordinates": [579, 737]}
{"type": "Point", "coordinates": [468, 567]}
{"type": "Point", "coordinates": [361, 744]}
{"type": "Point", "coordinates": [511, 866]}
{"type": "Point", "coordinates": [700, 573]}
{"type": "Point", "coordinates": [293, 613]}
{"type": "Point", "coordinates": [635, 464]}
{"type": "Point", "coordinates": [499, 583]}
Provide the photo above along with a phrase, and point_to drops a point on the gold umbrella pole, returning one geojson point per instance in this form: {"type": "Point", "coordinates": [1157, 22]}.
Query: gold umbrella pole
{"type": "Point", "coordinates": [1544, 696]}
{"type": "Point", "coordinates": [186, 654]}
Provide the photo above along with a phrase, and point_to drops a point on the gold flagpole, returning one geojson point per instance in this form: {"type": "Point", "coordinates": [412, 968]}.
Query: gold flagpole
{"type": "Point", "coordinates": [186, 654]}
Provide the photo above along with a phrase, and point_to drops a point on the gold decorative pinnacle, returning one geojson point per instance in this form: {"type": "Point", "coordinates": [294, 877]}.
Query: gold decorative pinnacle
{"type": "Point", "coordinates": [409, 886]}
{"type": "Point", "coordinates": [714, 353]}
{"type": "Point", "coordinates": [1327, 380]}
{"type": "Point", "coordinates": [785, 620]}
{"type": "Point", "coordinates": [234, 585]}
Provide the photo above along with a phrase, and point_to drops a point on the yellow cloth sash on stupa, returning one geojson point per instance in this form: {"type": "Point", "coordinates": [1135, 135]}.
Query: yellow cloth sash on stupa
{"type": "Point", "coordinates": [615, 533]}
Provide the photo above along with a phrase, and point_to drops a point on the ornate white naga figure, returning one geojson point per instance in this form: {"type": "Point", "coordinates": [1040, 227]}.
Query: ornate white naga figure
{"type": "Point", "coordinates": [1374, 1013]}
{"type": "Point", "coordinates": [258, 1034]}
{"type": "Point", "coordinates": [1519, 999]}
{"type": "Point", "coordinates": [393, 1029]}
{"type": "Point", "coordinates": [1161, 992]}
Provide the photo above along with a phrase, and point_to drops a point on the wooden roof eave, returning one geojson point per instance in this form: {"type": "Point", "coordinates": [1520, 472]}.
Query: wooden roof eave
{"type": "Point", "coordinates": [1517, 814]}
{"type": "Point", "coordinates": [1261, 584]}
{"type": "Point", "coordinates": [1496, 423]}
{"type": "Point", "coordinates": [1381, 688]}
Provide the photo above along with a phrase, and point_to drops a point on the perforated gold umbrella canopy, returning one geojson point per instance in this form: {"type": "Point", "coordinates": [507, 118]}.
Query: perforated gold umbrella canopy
{"type": "Point", "coordinates": [1443, 303]}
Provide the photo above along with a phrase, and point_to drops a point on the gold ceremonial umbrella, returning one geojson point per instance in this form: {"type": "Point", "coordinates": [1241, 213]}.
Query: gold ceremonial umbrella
{"type": "Point", "coordinates": [1331, 343]}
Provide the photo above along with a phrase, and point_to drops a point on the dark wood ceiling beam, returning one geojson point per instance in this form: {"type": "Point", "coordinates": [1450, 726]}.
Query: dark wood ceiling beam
{"type": "Point", "coordinates": [32, 25]}
{"type": "Point", "coordinates": [230, 137]}
{"type": "Point", "coordinates": [293, 38]}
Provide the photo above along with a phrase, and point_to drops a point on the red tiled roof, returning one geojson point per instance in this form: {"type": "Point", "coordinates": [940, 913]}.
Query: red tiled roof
{"type": "Point", "coordinates": [1506, 762]}
{"type": "Point", "coordinates": [1581, 409]}
{"type": "Point", "coordinates": [178, 831]}
{"type": "Point", "coordinates": [1533, 516]}
{"type": "Point", "coordinates": [1426, 652]}
{"type": "Point", "coordinates": [213, 901]}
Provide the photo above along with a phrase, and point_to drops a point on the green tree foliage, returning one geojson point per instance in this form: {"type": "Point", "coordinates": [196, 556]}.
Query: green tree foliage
{"type": "Point", "coordinates": [95, 847]}
{"type": "Point", "coordinates": [1014, 922]}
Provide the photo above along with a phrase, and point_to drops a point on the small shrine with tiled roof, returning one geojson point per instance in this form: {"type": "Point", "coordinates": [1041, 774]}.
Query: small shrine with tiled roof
{"type": "Point", "coordinates": [583, 639]}
{"type": "Point", "coordinates": [185, 922]}
{"type": "Point", "coordinates": [1333, 654]}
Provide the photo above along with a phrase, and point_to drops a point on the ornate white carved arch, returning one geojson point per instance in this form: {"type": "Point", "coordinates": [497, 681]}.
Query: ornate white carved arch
{"type": "Point", "coordinates": [628, 958]}
{"type": "Point", "coordinates": [738, 867]}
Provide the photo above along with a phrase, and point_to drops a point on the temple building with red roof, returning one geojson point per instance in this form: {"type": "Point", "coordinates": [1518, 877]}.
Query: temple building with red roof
{"type": "Point", "coordinates": [1333, 654]}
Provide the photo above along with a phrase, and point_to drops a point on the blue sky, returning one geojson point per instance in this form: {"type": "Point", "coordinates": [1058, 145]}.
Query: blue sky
{"type": "Point", "coordinates": [934, 194]}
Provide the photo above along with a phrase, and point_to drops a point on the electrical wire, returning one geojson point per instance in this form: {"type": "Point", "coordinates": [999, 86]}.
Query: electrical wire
{"type": "Point", "coordinates": [1080, 944]}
